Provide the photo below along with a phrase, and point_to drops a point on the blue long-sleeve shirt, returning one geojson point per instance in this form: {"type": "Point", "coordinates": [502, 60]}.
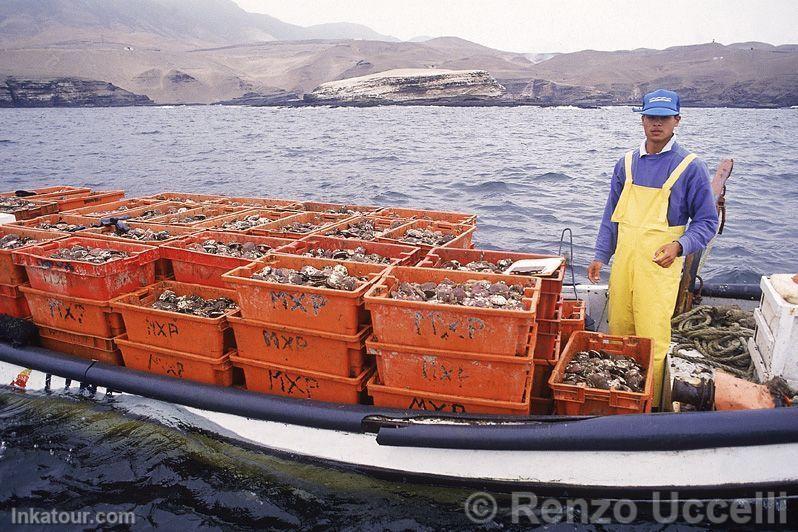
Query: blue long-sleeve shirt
{"type": "Point", "coordinates": [691, 198]}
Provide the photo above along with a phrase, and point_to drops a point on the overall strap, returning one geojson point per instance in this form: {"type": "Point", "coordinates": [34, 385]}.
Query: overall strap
{"type": "Point", "coordinates": [678, 171]}
{"type": "Point", "coordinates": [627, 161]}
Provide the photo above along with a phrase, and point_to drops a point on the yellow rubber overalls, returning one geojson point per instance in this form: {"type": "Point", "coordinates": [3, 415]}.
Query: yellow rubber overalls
{"type": "Point", "coordinates": [643, 293]}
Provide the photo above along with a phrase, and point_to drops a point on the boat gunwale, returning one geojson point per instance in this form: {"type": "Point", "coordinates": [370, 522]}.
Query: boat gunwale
{"type": "Point", "coordinates": [631, 432]}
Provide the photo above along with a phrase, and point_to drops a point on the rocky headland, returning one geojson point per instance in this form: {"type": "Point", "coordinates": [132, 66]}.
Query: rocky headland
{"type": "Point", "coordinates": [66, 92]}
{"type": "Point", "coordinates": [402, 86]}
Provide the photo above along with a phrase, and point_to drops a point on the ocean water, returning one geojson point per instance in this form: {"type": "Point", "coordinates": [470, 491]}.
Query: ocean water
{"type": "Point", "coordinates": [528, 173]}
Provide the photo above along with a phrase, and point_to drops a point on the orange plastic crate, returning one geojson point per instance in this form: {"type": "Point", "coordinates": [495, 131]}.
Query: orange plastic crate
{"type": "Point", "coordinates": [439, 371]}
{"type": "Point", "coordinates": [68, 202]}
{"type": "Point", "coordinates": [381, 225]}
{"type": "Point", "coordinates": [335, 354]}
{"type": "Point", "coordinates": [211, 337]}
{"type": "Point", "coordinates": [454, 327]}
{"type": "Point", "coordinates": [424, 214]}
{"type": "Point", "coordinates": [337, 208]}
{"type": "Point", "coordinates": [83, 279]}
{"type": "Point", "coordinates": [574, 400]}
{"type": "Point", "coordinates": [400, 255]}
{"type": "Point", "coordinates": [80, 345]}
{"type": "Point", "coordinates": [43, 192]}
{"type": "Point", "coordinates": [549, 289]}
{"type": "Point", "coordinates": [573, 318]}
{"type": "Point", "coordinates": [147, 213]}
{"type": "Point", "coordinates": [209, 211]}
{"type": "Point", "coordinates": [13, 302]}
{"type": "Point", "coordinates": [548, 346]}
{"type": "Point", "coordinates": [114, 208]}
{"type": "Point", "coordinates": [197, 267]}
{"type": "Point", "coordinates": [541, 406]}
{"type": "Point", "coordinates": [261, 203]}
{"type": "Point", "coordinates": [463, 233]}
{"type": "Point", "coordinates": [217, 371]}
{"type": "Point", "coordinates": [33, 209]}
{"type": "Point", "coordinates": [84, 316]}
{"type": "Point", "coordinates": [187, 198]}
{"type": "Point", "coordinates": [301, 383]}
{"type": "Point", "coordinates": [390, 397]}
{"type": "Point", "coordinates": [540, 378]}
{"type": "Point", "coordinates": [10, 273]}
{"type": "Point", "coordinates": [215, 224]}
{"type": "Point", "coordinates": [279, 228]}
{"type": "Point", "coordinates": [37, 223]}
{"type": "Point", "coordinates": [319, 309]}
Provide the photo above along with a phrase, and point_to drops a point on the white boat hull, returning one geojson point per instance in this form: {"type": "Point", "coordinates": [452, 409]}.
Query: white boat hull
{"type": "Point", "coordinates": [699, 469]}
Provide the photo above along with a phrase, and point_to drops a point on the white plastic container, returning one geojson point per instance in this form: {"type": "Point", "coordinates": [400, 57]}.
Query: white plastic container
{"type": "Point", "coordinates": [6, 218]}
{"type": "Point", "coordinates": [774, 347]}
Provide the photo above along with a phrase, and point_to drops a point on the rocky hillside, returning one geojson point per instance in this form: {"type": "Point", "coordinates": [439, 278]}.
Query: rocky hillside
{"type": "Point", "coordinates": [212, 51]}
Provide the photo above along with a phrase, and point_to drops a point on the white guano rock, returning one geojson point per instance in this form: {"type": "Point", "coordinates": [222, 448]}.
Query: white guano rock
{"type": "Point", "coordinates": [407, 85]}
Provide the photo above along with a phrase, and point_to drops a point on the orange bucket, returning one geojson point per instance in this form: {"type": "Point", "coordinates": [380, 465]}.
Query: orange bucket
{"type": "Point", "coordinates": [474, 375]}
{"type": "Point", "coordinates": [197, 267]}
{"type": "Point", "coordinates": [574, 400]}
{"type": "Point", "coordinates": [335, 354]}
{"type": "Point", "coordinates": [454, 327]}
{"type": "Point", "coordinates": [83, 279]}
{"type": "Point", "coordinates": [210, 337]}
{"type": "Point", "coordinates": [318, 309]}
{"type": "Point", "coordinates": [404, 399]}
{"type": "Point", "coordinates": [84, 316]}
{"type": "Point", "coordinates": [301, 383]}
{"type": "Point", "coordinates": [217, 371]}
{"type": "Point", "coordinates": [80, 345]}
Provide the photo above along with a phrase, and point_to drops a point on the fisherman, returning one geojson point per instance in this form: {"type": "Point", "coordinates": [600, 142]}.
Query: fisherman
{"type": "Point", "coordinates": [655, 190]}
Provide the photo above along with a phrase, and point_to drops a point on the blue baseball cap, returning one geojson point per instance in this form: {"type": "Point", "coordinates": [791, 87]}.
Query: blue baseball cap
{"type": "Point", "coordinates": [661, 102]}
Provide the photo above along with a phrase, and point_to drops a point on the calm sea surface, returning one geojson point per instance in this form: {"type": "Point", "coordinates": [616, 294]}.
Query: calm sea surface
{"type": "Point", "coordinates": [527, 172]}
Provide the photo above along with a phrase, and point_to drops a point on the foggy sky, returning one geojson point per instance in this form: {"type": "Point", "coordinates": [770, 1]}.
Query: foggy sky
{"type": "Point", "coordinates": [555, 25]}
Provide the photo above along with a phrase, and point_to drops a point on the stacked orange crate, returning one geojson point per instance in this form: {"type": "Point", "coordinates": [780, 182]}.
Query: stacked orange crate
{"type": "Point", "coordinates": [69, 298]}
{"type": "Point", "coordinates": [452, 357]}
{"type": "Point", "coordinates": [177, 344]}
{"type": "Point", "coordinates": [303, 341]}
{"type": "Point", "coordinates": [548, 344]}
{"type": "Point", "coordinates": [13, 277]}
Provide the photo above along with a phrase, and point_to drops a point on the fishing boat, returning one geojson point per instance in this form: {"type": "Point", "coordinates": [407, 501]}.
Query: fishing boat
{"type": "Point", "coordinates": [732, 454]}
{"type": "Point", "coordinates": [712, 453]}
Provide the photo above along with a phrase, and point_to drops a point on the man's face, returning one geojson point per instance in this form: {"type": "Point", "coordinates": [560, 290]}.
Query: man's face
{"type": "Point", "coordinates": [659, 128]}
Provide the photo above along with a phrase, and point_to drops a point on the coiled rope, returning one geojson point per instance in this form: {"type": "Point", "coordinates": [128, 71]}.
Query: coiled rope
{"type": "Point", "coordinates": [720, 334]}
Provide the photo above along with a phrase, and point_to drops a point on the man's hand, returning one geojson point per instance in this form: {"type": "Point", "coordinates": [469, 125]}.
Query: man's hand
{"type": "Point", "coordinates": [594, 271]}
{"type": "Point", "coordinates": [667, 254]}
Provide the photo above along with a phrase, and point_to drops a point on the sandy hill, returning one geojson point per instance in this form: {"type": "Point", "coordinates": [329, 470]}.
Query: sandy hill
{"type": "Point", "coordinates": [207, 51]}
